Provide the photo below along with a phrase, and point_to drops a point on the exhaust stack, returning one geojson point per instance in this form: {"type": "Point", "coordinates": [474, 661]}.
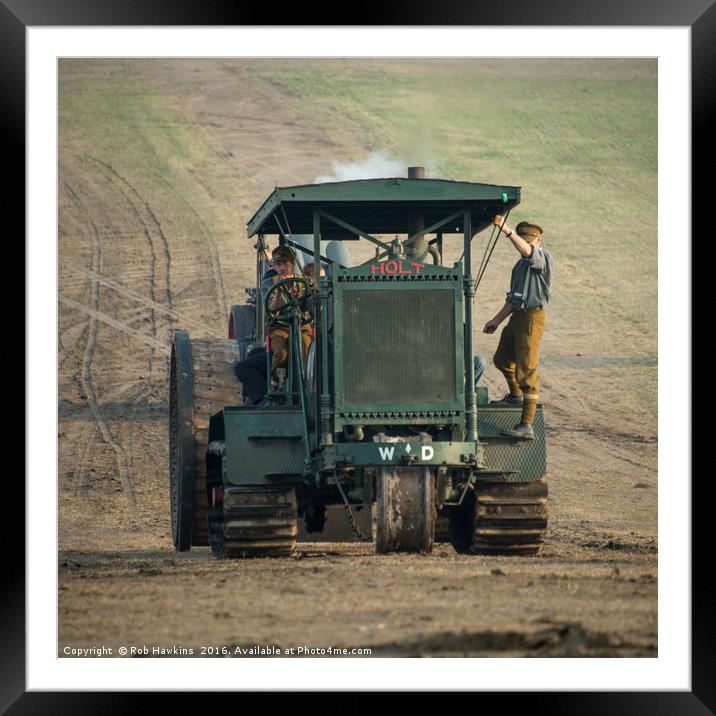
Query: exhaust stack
{"type": "Point", "coordinates": [419, 249]}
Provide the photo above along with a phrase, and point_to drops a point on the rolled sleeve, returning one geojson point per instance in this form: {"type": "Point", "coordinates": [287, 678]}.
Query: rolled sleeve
{"type": "Point", "coordinates": [537, 260]}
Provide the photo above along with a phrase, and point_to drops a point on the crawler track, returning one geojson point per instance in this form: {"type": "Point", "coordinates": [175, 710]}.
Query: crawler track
{"type": "Point", "coordinates": [202, 383]}
{"type": "Point", "coordinates": [248, 521]}
{"type": "Point", "coordinates": [501, 517]}
{"type": "Point", "coordinates": [254, 522]}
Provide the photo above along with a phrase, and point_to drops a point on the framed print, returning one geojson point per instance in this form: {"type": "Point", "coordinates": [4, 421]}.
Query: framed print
{"type": "Point", "coordinates": [159, 143]}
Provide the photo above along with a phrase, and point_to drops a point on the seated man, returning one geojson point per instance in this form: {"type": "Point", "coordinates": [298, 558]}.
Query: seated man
{"type": "Point", "coordinates": [283, 263]}
{"type": "Point", "coordinates": [251, 371]}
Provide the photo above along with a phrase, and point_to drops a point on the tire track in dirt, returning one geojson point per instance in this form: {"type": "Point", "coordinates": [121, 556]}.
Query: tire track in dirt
{"type": "Point", "coordinates": [129, 293]}
{"type": "Point", "coordinates": [86, 442]}
{"type": "Point", "coordinates": [213, 259]}
{"type": "Point", "coordinates": [72, 331]}
{"type": "Point", "coordinates": [87, 437]}
{"type": "Point", "coordinates": [157, 275]}
{"type": "Point", "coordinates": [165, 252]}
{"type": "Point", "coordinates": [134, 266]}
{"type": "Point", "coordinates": [66, 353]}
{"type": "Point", "coordinates": [77, 458]}
{"type": "Point", "coordinates": [106, 318]}
{"type": "Point", "coordinates": [86, 369]}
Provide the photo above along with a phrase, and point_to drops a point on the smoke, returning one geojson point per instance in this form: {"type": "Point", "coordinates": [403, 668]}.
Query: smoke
{"type": "Point", "coordinates": [378, 164]}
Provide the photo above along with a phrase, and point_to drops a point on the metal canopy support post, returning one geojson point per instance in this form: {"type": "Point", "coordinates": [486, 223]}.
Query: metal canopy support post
{"type": "Point", "coordinates": [260, 266]}
{"type": "Point", "coordinates": [353, 229]}
{"type": "Point", "coordinates": [300, 378]}
{"type": "Point", "coordinates": [470, 404]}
{"type": "Point", "coordinates": [323, 412]}
{"type": "Point", "coordinates": [317, 312]}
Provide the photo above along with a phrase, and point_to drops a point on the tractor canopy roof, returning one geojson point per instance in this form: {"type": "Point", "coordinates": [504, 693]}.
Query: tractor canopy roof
{"type": "Point", "coordinates": [381, 206]}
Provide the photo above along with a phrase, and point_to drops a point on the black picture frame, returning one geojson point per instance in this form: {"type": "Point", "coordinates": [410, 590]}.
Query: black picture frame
{"type": "Point", "coordinates": [699, 15]}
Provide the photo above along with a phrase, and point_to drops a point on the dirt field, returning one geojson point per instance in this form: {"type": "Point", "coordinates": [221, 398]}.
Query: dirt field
{"type": "Point", "coordinates": [162, 163]}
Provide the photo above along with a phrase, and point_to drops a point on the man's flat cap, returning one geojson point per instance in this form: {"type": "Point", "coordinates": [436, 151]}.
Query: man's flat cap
{"type": "Point", "coordinates": [282, 253]}
{"type": "Point", "coordinates": [528, 231]}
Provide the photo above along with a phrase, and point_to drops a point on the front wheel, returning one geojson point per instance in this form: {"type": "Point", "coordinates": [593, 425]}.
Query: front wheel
{"type": "Point", "coordinates": [405, 510]}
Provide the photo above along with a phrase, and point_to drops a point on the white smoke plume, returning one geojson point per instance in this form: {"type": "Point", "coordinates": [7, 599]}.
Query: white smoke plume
{"type": "Point", "coordinates": [378, 164]}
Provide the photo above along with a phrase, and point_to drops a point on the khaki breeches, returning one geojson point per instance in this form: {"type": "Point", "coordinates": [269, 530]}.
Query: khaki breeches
{"type": "Point", "coordinates": [279, 346]}
{"type": "Point", "coordinates": [517, 353]}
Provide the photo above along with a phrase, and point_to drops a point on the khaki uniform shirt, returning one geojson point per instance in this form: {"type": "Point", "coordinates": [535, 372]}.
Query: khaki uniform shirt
{"type": "Point", "coordinates": [531, 283]}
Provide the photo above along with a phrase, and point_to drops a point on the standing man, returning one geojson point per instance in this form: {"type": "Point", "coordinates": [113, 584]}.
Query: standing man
{"type": "Point", "coordinates": [517, 354]}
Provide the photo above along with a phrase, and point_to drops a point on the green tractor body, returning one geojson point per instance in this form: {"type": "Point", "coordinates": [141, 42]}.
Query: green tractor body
{"type": "Point", "coordinates": [384, 415]}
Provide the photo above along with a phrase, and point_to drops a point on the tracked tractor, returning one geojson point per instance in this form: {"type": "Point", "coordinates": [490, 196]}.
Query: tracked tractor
{"type": "Point", "coordinates": [383, 415]}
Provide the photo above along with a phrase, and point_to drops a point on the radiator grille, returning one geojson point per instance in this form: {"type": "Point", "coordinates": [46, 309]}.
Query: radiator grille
{"type": "Point", "coordinates": [399, 346]}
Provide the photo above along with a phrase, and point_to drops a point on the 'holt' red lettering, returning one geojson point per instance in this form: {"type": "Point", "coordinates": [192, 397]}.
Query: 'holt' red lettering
{"type": "Point", "coordinates": [392, 267]}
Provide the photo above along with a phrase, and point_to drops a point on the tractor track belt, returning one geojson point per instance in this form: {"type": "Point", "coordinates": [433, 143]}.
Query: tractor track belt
{"type": "Point", "coordinates": [501, 517]}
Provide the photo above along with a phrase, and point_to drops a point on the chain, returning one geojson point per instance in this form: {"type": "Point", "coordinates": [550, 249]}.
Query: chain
{"type": "Point", "coordinates": [354, 525]}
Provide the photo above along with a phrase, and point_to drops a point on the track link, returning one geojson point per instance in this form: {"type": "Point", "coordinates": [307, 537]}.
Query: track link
{"type": "Point", "coordinates": [499, 517]}
{"type": "Point", "coordinates": [253, 522]}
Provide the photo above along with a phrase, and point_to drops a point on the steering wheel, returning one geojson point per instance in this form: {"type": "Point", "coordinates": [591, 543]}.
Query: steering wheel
{"type": "Point", "coordinates": [293, 301]}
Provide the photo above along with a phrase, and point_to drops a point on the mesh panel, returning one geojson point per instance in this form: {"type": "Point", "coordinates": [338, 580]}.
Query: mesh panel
{"type": "Point", "coordinates": [399, 346]}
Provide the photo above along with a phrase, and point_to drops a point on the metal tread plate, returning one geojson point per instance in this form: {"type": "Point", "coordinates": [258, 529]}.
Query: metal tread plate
{"type": "Point", "coordinates": [262, 443]}
{"type": "Point", "coordinates": [523, 460]}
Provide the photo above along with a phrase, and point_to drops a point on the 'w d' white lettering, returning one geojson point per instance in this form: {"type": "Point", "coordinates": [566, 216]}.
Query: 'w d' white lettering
{"type": "Point", "coordinates": [386, 453]}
